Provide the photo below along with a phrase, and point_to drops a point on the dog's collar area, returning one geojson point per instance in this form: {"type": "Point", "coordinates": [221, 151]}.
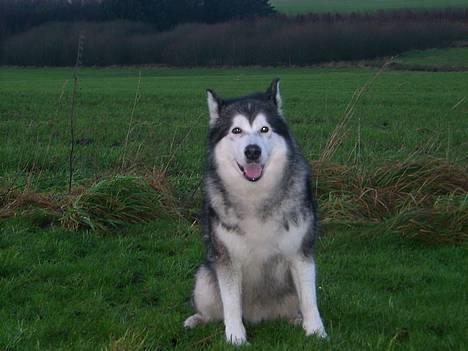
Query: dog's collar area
{"type": "Point", "coordinates": [252, 171]}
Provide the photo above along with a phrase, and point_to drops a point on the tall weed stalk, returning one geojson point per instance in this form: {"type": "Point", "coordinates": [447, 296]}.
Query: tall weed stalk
{"type": "Point", "coordinates": [76, 74]}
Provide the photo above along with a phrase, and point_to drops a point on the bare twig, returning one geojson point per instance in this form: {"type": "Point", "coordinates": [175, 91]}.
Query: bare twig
{"type": "Point", "coordinates": [130, 123]}
{"type": "Point", "coordinates": [454, 107]}
{"type": "Point", "coordinates": [175, 149]}
{"type": "Point", "coordinates": [337, 136]}
{"type": "Point", "coordinates": [76, 72]}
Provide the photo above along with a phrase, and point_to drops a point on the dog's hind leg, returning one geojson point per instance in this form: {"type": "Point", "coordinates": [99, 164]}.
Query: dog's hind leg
{"type": "Point", "coordinates": [194, 320]}
{"type": "Point", "coordinates": [297, 320]}
{"type": "Point", "coordinates": [206, 299]}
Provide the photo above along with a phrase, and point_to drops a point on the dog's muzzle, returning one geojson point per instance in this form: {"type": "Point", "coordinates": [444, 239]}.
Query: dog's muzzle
{"type": "Point", "coordinates": [252, 170]}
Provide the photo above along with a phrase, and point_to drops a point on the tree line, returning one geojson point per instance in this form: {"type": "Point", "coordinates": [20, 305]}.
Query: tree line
{"type": "Point", "coordinates": [273, 40]}
{"type": "Point", "coordinates": [21, 15]}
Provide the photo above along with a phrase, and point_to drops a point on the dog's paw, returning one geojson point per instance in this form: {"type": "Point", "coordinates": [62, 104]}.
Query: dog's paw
{"type": "Point", "coordinates": [193, 321]}
{"type": "Point", "coordinates": [236, 335]}
{"type": "Point", "coordinates": [321, 333]}
{"type": "Point", "coordinates": [315, 328]}
{"type": "Point", "coordinates": [296, 320]}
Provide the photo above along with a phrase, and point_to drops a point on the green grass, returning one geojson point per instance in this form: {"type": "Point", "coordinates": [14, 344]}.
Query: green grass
{"type": "Point", "coordinates": [455, 57]}
{"type": "Point", "coordinates": [304, 6]}
{"type": "Point", "coordinates": [402, 112]}
{"type": "Point", "coordinates": [80, 290]}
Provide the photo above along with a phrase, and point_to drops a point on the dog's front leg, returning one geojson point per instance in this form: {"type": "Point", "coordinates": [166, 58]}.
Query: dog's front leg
{"type": "Point", "coordinates": [303, 272]}
{"type": "Point", "coordinates": [230, 285]}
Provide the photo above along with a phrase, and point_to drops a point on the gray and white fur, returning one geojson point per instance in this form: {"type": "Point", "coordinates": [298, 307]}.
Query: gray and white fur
{"type": "Point", "coordinates": [259, 220]}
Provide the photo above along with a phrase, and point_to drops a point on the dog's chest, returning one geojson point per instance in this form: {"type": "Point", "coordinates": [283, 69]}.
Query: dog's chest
{"type": "Point", "coordinates": [257, 241]}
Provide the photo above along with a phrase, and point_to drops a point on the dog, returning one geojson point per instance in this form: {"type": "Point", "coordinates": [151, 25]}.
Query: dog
{"type": "Point", "coordinates": [259, 220]}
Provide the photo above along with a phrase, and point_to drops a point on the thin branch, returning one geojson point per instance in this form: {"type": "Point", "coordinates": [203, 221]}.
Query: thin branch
{"type": "Point", "coordinates": [130, 123]}
{"type": "Point", "coordinates": [76, 73]}
{"type": "Point", "coordinates": [337, 136]}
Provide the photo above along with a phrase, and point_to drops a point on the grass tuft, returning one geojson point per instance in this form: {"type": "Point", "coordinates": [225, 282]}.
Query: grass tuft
{"type": "Point", "coordinates": [428, 176]}
{"type": "Point", "coordinates": [114, 203]}
{"type": "Point", "coordinates": [420, 197]}
{"type": "Point", "coordinates": [439, 224]}
{"type": "Point", "coordinates": [341, 209]}
{"type": "Point", "coordinates": [400, 190]}
{"type": "Point", "coordinates": [130, 341]}
{"type": "Point", "coordinates": [13, 203]}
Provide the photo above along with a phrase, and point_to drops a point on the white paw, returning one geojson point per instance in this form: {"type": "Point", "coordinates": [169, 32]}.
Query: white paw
{"type": "Point", "coordinates": [236, 335]}
{"type": "Point", "coordinates": [193, 321]}
{"type": "Point", "coordinates": [315, 328]}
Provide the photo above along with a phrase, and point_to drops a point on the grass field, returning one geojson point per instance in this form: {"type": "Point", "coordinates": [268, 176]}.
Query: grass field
{"type": "Point", "coordinates": [455, 57]}
{"type": "Point", "coordinates": [402, 112]}
{"type": "Point", "coordinates": [304, 6]}
{"type": "Point", "coordinates": [130, 290]}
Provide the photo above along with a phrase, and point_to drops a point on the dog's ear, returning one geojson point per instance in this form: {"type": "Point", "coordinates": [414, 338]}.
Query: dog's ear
{"type": "Point", "coordinates": [214, 105]}
{"type": "Point", "coordinates": [273, 94]}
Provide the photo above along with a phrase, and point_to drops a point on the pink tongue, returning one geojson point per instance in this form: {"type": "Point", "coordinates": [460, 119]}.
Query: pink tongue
{"type": "Point", "coordinates": [253, 170]}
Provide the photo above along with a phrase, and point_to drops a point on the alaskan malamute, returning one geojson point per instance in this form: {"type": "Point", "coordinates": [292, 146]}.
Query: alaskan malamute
{"type": "Point", "coordinates": [259, 220]}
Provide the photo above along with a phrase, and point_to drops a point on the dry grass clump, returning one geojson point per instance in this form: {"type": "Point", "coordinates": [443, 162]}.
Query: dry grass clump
{"type": "Point", "coordinates": [114, 203]}
{"type": "Point", "coordinates": [409, 190]}
{"type": "Point", "coordinates": [331, 177]}
{"type": "Point", "coordinates": [397, 186]}
{"type": "Point", "coordinates": [438, 224]}
{"type": "Point", "coordinates": [158, 181]}
{"type": "Point", "coordinates": [429, 176]}
{"type": "Point", "coordinates": [341, 209]}
{"type": "Point", "coordinates": [14, 202]}
{"type": "Point", "coordinates": [419, 198]}
{"type": "Point", "coordinates": [109, 204]}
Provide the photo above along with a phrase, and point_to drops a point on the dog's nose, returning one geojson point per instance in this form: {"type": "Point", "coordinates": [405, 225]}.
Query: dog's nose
{"type": "Point", "coordinates": [252, 152]}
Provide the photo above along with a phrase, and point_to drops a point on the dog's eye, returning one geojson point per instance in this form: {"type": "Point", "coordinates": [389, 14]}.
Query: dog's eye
{"type": "Point", "coordinates": [264, 129]}
{"type": "Point", "coordinates": [236, 130]}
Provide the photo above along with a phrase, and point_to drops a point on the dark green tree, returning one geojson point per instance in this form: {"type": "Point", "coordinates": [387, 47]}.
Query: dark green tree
{"type": "Point", "coordinates": [223, 10]}
{"type": "Point", "coordinates": [20, 15]}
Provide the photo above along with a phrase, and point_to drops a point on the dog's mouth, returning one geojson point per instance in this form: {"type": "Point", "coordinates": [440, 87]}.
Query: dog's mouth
{"type": "Point", "coordinates": [251, 171]}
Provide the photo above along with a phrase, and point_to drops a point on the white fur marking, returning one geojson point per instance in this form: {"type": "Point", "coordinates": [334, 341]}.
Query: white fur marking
{"type": "Point", "coordinates": [213, 108]}
{"type": "Point", "coordinates": [279, 101]}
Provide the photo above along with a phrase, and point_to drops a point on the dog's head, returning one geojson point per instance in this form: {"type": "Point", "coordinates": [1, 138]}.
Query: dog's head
{"type": "Point", "coordinates": [249, 135]}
